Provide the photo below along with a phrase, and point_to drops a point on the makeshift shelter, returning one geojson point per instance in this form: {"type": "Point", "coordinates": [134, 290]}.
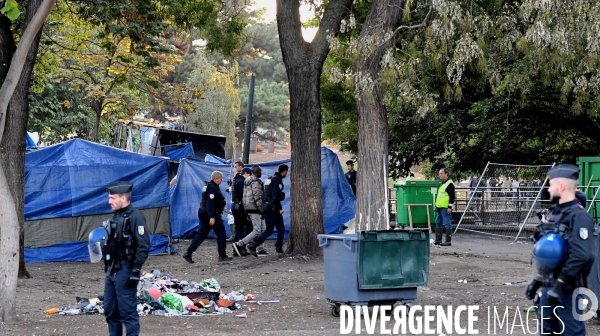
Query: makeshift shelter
{"type": "Point", "coordinates": [65, 197]}
{"type": "Point", "coordinates": [338, 200]}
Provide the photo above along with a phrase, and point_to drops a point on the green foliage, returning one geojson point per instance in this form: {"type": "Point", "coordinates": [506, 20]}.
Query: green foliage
{"type": "Point", "coordinates": [219, 105]}
{"type": "Point", "coordinates": [486, 81]}
{"type": "Point", "coordinates": [271, 106]}
{"type": "Point", "coordinates": [59, 114]}
{"type": "Point", "coordinates": [10, 9]}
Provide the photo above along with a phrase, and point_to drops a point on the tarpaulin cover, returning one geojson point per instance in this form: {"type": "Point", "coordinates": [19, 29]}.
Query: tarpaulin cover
{"type": "Point", "coordinates": [215, 159]}
{"type": "Point", "coordinates": [68, 179]}
{"type": "Point", "coordinates": [178, 152]}
{"type": "Point", "coordinates": [338, 199]}
{"type": "Point", "coordinates": [29, 143]}
{"type": "Point", "coordinates": [78, 251]}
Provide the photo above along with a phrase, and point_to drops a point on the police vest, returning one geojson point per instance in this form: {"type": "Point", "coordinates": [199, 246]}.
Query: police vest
{"type": "Point", "coordinates": [203, 202]}
{"type": "Point", "coordinates": [443, 199]}
{"type": "Point", "coordinates": [268, 194]}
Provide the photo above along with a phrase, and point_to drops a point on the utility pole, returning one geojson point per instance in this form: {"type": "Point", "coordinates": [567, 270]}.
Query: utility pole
{"type": "Point", "coordinates": [246, 154]}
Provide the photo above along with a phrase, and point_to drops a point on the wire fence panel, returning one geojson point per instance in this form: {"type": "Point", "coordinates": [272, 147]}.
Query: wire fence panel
{"type": "Point", "coordinates": [504, 200]}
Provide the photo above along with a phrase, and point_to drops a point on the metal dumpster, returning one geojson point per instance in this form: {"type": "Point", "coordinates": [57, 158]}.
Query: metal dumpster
{"type": "Point", "coordinates": [374, 267]}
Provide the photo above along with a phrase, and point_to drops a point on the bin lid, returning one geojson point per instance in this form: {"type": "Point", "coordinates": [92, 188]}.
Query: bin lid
{"type": "Point", "coordinates": [392, 259]}
{"type": "Point", "coordinates": [417, 183]}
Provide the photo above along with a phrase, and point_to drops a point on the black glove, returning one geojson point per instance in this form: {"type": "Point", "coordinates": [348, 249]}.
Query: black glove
{"type": "Point", "coordinates": [555, 292]}
{"type": "Point", "coordinates": [134, 278]}
{"type": "Point", "coordinates": [532, 289]}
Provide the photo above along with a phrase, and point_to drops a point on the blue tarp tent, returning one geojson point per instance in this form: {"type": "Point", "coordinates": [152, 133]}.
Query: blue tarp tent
{"type": "Point", "coordinates": [65, 197]}
{"type": "Point", "coordinates": [215, 159]}
{"type": "Point", "coordinates": [338, 199]}
{"type": "Point", "coordinates": [29, 143]}
{"type": "Point", "coordinates": [178, 152]}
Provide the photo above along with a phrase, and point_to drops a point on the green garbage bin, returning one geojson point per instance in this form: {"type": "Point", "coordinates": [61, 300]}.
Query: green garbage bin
{"type": "Point", "coordinates": [415, 192]}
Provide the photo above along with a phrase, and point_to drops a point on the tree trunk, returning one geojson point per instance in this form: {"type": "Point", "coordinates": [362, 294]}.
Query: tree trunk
{"type": "Point", "coordinates": [15, 79]}
{"type": "Point", "coordinates": [304, 64]}
{"type": "Point", "coordinates": [97, 107]}
{"type": "Point", "coordinates": [13, 161]}
{"type": "Point", "coordinates": [371, 205]}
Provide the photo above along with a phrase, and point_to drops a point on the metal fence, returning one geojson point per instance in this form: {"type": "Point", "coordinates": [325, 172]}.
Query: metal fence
{"type": "Point", "coordinates": [504, 201]}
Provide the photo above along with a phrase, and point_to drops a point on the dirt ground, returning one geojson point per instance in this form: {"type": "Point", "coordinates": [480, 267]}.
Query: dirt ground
{"type": "Point", "coordinates": [487, 264]}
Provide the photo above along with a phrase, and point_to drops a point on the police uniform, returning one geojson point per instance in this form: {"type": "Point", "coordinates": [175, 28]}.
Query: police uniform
{"type": "Point", "coordinates": [272, 198]}
{"type": "Point", "coordinates": [126, 251]}
{"type": "Point", "coordinates": [570, 221]}
{"type": "Point", "coordinates": [351, 177]}
{"type": "Point", "coordinates": [243, 226]}
{"type": "Point", "coordinates": [211, 206]}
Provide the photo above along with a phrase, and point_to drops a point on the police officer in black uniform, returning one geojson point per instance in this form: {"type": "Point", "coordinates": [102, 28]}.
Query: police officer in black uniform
{"type": "Point", "coordinates": [126, 251]}
{"type": "Point", "coordinates": [351, 175]}
{"type": "Point", "coordinates": [209, 215]}
{"type": "Point", "coordinates": [273, 211]}
{"type": "Point", "coordinates": [243, 226]}
{"type": "Point", "coordinates": [569, 220]}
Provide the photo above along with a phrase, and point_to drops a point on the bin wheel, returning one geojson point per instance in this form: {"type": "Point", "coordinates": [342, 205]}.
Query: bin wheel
{"type": "Point", "coordinates": [335, 310]}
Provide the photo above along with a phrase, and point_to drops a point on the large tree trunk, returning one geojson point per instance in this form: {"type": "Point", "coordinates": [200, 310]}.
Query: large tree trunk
{"type": "Point", "coordinates": [18, 74]}
{"type": "Point", "coordinates": [371, 207]}
{"type": "Point", "coordinates": [304, 64]}
{"type": "Point", "coordinates": [12, 145]}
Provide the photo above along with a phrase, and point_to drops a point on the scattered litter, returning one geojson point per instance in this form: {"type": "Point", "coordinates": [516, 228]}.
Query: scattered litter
{"type": "Point", "coordinates": [529, 309]}
{"type": "Point", "coordinates": [161, 294]}
{"type": "Point", "coordinates": [460, 280]}
{"type": "Point", "coordinates": [242, 315]}
{"type": "Point", "coordinates": [252, 309]}
{"type": "Point", "coordinates": [508, 283]}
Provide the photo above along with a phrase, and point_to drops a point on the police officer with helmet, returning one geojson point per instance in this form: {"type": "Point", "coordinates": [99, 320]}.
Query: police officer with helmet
{"type": "Point", "coordinates": [563, 255]}
{"type": "Point", "coordinates": [209, 215]}
{"type": "Point", "coordinates": [273, 211]}
{"type": "Point", "coordinates": [125, 242]}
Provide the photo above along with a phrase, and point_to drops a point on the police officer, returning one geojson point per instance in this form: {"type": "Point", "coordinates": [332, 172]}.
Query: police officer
{"type": "Point", "coordinates": [272, 210]}
{"type": "Point", "coordinates": [570, 221]}
{"type": "Point", "coordinates": [351, 175]}
{"type": "Point", "coordinates": [243, 226]}
{"type": "Point", "coordinates": [126, 251]}
{"type": "Point", "coordinates": [209, 215]}
{"type": "Point", "coordinates": [444, 202]}
{"type": "Point", "coordinates": [239, 166]}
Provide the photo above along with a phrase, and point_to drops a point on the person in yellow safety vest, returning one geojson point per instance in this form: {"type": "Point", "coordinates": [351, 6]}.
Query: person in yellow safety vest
{"type": "Point", "coordinates": [444, 202]}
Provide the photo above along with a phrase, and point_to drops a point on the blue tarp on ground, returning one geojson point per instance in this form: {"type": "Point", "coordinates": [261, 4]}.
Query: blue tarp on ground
{"type": "Point", "coordinates": [178, 152]}
{"type": "Point", "coordinates": [338, 199]}
{"type": "Point", "coordinates": [68, 179]}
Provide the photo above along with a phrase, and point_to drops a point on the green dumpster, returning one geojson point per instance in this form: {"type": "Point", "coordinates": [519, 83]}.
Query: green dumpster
{"type": "Point", "coordinates": [418, 193]}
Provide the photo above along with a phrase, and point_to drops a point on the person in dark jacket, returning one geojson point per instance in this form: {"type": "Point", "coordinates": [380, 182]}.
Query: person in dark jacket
{"type": "Point", "coordinates": [559, 305]}
{"type": "Point", "coordinates": [127, 249]}
{"type": "Point", "coordinates": [243, 226]}
{"type": "Point", "coordinates": [253, 203]}
{"type": "Point", "coordinates": [273, 211]}
{"type": "Point", "coordinates": [351, 175]}
{"type": "Point", "coordinates": [209, 216]}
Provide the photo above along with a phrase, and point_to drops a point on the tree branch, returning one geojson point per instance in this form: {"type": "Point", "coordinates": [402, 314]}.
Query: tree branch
{"type": "Point", "coordinates": [329, 25]}
{"type": "Point", "coordinates": [420, 25]}
{"type": "Point", "coordinates": [18, 60]}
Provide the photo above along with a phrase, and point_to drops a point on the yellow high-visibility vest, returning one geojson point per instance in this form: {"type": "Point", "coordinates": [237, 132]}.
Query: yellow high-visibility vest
{"type": "Point", "coordinates": [443, 199]}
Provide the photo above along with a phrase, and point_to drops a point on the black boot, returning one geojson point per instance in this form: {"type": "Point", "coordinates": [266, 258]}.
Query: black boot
{"type": "Point", "coordinates": [252, 248]}
{"type": "Point", "coordinates": [225, 257]}
{"type": "Point", "coordinates": [188, 257]}
{"type": "Point", "coordinates": [279, 249]}
{"type": "Point", "coordinates": [448, 241]}
{"type": "Point", "coordinates": [243, 251]}
{"type": "Point", "coordinates": [438, 236]}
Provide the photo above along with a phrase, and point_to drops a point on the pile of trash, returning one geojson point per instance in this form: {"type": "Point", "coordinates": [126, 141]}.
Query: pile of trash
{"type": "Point", "coordinates": [160, 293]}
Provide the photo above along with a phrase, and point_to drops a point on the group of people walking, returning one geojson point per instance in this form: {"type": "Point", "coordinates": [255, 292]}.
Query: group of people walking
{"type": "Point", "coordinates": [252, 202]}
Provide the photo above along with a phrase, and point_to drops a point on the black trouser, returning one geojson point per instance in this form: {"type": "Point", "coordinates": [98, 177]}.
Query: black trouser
{"type": "Point", "coordinates": [243, 226]}
{"type": "Point", "coordinates": [204, 229]}
{"type": "Point", "coordinates": [273, 219]}
{"type": "Point", "coordinates": [120, 303]}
